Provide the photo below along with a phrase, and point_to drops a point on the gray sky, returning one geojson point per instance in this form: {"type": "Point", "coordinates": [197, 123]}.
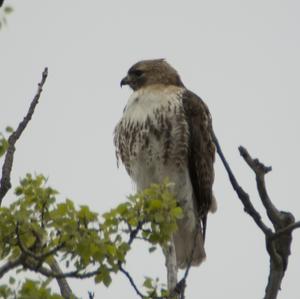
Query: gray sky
{"type": "Point", "coordinates": [241, 57]}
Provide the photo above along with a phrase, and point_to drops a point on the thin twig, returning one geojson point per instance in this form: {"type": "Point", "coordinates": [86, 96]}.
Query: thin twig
{"type": "Point", "coordinates": [54, 274]}
{"type": "Point", "coordinates": [5, 183]}
{"type": "Point", "coordinates": [126, 273]}
{"type": "Point", "coordinates": [134, 232]}
{"type": "Point", "coordinates": [71, 274]}
{"type": "Point", "coordinates": [243, 196]}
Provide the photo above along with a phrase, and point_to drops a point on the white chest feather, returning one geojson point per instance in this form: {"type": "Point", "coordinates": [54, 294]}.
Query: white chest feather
{"type": "Point", "coordinates": [146, 102]}
{"type": "Point", "coordinates": [152, 136]}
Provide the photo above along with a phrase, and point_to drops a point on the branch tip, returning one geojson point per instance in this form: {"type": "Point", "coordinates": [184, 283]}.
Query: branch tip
{"type": "Point", "coordinates": [5, 183]}
{"type": "Point", "coordinates": [257, 166]}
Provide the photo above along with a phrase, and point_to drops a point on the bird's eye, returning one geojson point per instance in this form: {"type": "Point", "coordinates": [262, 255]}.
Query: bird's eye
{"type": "Point", "coordinates": [137, 73]}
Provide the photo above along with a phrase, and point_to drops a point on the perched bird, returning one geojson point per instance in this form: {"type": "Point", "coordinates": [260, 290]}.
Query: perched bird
{"type": "Point", "coordinates": [166, 131]}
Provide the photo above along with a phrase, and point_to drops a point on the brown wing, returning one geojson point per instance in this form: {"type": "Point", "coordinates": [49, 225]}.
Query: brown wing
{"type": "Point", "coordinates": [201, 153]}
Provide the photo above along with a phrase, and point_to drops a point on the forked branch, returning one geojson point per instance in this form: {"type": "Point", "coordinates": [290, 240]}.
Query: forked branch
{"type": "Point", "coordinates": [278, 239]}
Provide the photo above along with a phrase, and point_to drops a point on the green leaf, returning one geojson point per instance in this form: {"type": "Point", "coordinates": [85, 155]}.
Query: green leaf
{"type": "Point", "coordinates": [98, 278]}
{"type": "Point", "coordinates": [155, 204]}
{"type": "Point", "coordinates": [88, 243]}
{"type": "Point", "coordinates": [111, 249]}
{"type": "Point", "coordinates": [9, 129]}
{"type": "Point", "coordinates": [3, 141]}
{"type": "Point", "coordinates": [11, 280]}
{"type": "Point", "coordinates": [8, 9]}
{"type": "Point", "coordinates": [103, 276]}
{"type": "Point", "coordinates": [177, 212]}
{"type": "Point", "coordinates": [148, 283]}
{"type": "Point", "coordinates": [152, 249]}
{"type": "Point", "coordinates": [107, 280]}
{"type": "Point", "coordinates": [164, 293]}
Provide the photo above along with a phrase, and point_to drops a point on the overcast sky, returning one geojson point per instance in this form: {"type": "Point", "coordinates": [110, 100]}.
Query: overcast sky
{"type": "Point", "coordinates": [241, 57]}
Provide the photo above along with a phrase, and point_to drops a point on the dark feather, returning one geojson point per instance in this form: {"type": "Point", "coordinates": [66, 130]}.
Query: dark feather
{"type": "Point", "coordinates": [201, 153]}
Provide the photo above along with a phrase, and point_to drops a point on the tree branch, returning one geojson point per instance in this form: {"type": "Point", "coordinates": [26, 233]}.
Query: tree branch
{"type": "Point", "coordinates": [286, 230]}
{"type": "Point", "coordinates": [260, 170]}
{"type": "Point", "coordinates": [51, 273]}
{"type": "Point", "coordinates": [243, 196]}
{"type": "Point", "coordinates": [279, 247]}
{"type": "Point", "coordinates": [38, 257]}
{"type": "Point", "coordinates": [5, 183]}
{"type": "Point", "coordinates": [278, 243]}
{"type": "Point", "coordinates": [126, 273]}
{"type": "Point", "coordinates": [9, 266]}
{"type": "Point", "coordinates": [171, 264]}
{"type": "Point", "coordinates": [64, 287]}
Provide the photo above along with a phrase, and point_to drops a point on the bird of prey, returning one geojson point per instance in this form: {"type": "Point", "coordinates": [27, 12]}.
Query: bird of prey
{"type": "Point", "coordinates": [166, 131]}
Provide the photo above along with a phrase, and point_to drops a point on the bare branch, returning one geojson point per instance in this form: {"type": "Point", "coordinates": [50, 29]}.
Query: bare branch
{"type": "Point", "coordinates": [5, 184]}
{"type": "Point", "coordinates": [274, 282]}
{"type": "Point", "coordinates": [278, 243]}
{"type": "Point", "coordinates": [260, 170]}
{"type": "Point", "coordinates": [243, 196]}
{"type": "Point", "coordinates": [126, 273]}
{"type": "Point", "coordinates": [286, 230]}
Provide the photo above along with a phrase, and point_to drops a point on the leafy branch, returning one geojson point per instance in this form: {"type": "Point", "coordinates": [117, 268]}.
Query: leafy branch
{"type": "Point", "coordinates": [36, 228]}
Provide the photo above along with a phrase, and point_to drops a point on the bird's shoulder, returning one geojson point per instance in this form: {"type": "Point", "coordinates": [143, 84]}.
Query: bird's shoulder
{"type": "Point", "coordinates": [194, 106]}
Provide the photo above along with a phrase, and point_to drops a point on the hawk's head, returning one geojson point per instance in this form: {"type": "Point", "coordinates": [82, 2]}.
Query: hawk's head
{"type": "Point", "coordinates": [149, 72]}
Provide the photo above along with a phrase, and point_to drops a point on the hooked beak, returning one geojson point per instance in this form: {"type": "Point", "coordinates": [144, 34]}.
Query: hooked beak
{"type": "Point", "coordinates": [124, 81]}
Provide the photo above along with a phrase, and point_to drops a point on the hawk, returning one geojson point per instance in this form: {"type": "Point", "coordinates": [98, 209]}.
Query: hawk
{"type": "Point", "coordinates": [166, 131]}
